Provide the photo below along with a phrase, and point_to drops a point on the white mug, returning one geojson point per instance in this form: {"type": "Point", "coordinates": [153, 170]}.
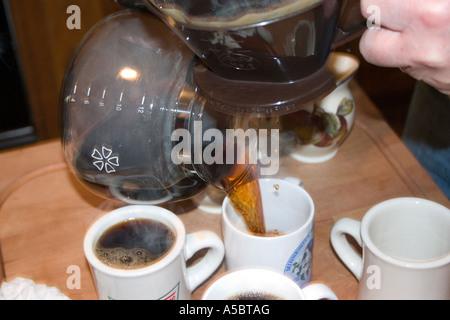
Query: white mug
{"type": "Point", "coordinates": [289, 209]}
{"type": "Point", "coordinates": [406, 250]}
{"type": "Point", "coordinates": [165, 279]}
{"type": "Point", "coordinates": [264, 283]}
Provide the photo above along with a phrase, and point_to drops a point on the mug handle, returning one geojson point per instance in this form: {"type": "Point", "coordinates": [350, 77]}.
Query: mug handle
{"type": "Point", "coordinates": [318, 291]}
{"type": "Point", "coordinates": [200, 271]}
{"type": "Point", "coordinates": [294, 180]}
{"type": "Point", "coordinates": [346, 253]}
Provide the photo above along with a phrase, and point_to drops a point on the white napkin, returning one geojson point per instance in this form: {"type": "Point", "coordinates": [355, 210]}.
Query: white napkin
{"type": "Point", "coordinates": [25, 289]}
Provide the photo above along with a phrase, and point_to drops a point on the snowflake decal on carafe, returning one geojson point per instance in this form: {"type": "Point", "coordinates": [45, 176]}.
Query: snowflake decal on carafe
{"type": "Point", "coordinates": [104, 159]}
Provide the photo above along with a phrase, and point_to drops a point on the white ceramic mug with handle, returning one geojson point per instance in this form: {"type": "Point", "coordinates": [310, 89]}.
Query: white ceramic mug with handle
{"type": "Point", "coordinates": [289, 210]}
{"type": "Point", "coordinates": [167, 278]}
{"type": "Point", "coordinates": [263, 284]}
{"type": "Point", "coordinates": [406, 250]}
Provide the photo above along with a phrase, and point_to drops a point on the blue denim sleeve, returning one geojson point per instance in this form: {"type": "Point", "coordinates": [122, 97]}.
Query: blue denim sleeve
{"type": "Point", "coordinates": [427, 133]}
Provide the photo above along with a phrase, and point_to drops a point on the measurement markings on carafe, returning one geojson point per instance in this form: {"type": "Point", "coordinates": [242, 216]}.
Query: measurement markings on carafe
{"type": "Point", "coordinates": [119, 106]}
{"type": "Point", "coordinates": [102, 100]}
{"type": "Point", "coordinates": [87, 99]}
{"type": "Point", "coordinates": [74, 92]}
{"type": "Point", "coordinates": [141, 108]}
{"type": "Point", "coordinates": [92, 98]}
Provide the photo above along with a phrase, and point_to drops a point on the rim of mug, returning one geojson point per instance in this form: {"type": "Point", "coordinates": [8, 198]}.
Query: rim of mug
{"type": "Point", "coordinates": [408, 263]}
{"type": "Point", "coordinates": [309, 221]}
{"type": "Point", "coordinates": [252, 271]}
{"type": "Point", "coordinates": [126, 213]}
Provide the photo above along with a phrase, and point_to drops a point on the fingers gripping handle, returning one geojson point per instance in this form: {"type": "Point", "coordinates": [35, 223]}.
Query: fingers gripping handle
{"type": "Point", "coordinates": [200, 271]}
{"type": "Point", "coordinates": [346, 253]}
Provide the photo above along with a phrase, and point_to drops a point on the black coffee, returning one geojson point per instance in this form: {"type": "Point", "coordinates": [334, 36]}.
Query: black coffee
{"type": "Point", "coordinates": [134, 244]}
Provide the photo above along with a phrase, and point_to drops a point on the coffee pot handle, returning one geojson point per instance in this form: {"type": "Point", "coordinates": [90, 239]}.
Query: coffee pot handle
{"type": "Point", "coordinates": [351, 23]}
{"type": "Point", "coordinates": [202, 270]}
{"type": "Point", "coordinates": [341, 245]}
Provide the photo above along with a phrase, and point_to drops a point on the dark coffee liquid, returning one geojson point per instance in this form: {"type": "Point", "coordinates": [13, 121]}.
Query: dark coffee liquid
{"type": "Point", "coordinates": [239, 179]}
{"type": "Point", "coordinates": [246, 199]}
{"type": "Point", "coordinates": [134, 244]}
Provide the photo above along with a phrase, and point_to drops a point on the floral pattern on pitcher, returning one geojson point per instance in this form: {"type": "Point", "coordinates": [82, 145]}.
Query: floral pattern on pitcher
{"type": "Point", "coordinates": [321, 128]}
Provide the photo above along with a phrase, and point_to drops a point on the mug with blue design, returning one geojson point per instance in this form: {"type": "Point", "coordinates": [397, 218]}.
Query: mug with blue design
{"type": "Point", "coordinates": [289, 221]}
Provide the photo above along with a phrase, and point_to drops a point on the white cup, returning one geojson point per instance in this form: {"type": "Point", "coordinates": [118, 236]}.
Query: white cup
{"type": "Point", "coordinates": [165, 279]}
{"type": "Point", "coordinates": [406, 250]}
{"type": "Point", "coordinates": [289, 209]}
{"type": "Point", "coordinates": [269, 284]}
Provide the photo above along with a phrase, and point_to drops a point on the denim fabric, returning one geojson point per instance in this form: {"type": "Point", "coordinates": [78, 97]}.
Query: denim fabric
{"type": "Point", "coordinates": [427, 133]}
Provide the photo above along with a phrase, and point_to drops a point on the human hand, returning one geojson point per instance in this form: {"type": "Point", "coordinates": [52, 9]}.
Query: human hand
{"type": "Point", "coordinates": [414, 36]}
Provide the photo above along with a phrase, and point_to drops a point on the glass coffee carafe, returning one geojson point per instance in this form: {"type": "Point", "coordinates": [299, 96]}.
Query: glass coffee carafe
{"type": "Point", "coordinates": [128, 102]}
{"type": "Point", "coordinates": [122, 98]}
{"type": "Point", "coordinates": [153, 112]}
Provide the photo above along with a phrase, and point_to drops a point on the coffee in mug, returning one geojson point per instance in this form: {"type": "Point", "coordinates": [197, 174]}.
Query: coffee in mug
{"type": "Point", "coordinates": [143, 253]}
{"type": "Point", "coordinates": [289, 219]}
{"type": "Point", "coordinates": [135, 243]}
{"type": "Point", "coordinates": [261, 283]}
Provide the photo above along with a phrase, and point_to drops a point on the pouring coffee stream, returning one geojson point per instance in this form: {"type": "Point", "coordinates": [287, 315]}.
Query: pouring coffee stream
{"type": "Point", "coordinates": [133, 82]}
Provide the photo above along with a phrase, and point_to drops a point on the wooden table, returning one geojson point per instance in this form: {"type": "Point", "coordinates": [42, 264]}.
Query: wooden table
{"type": "Point", "coordinates": [45, 212]}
